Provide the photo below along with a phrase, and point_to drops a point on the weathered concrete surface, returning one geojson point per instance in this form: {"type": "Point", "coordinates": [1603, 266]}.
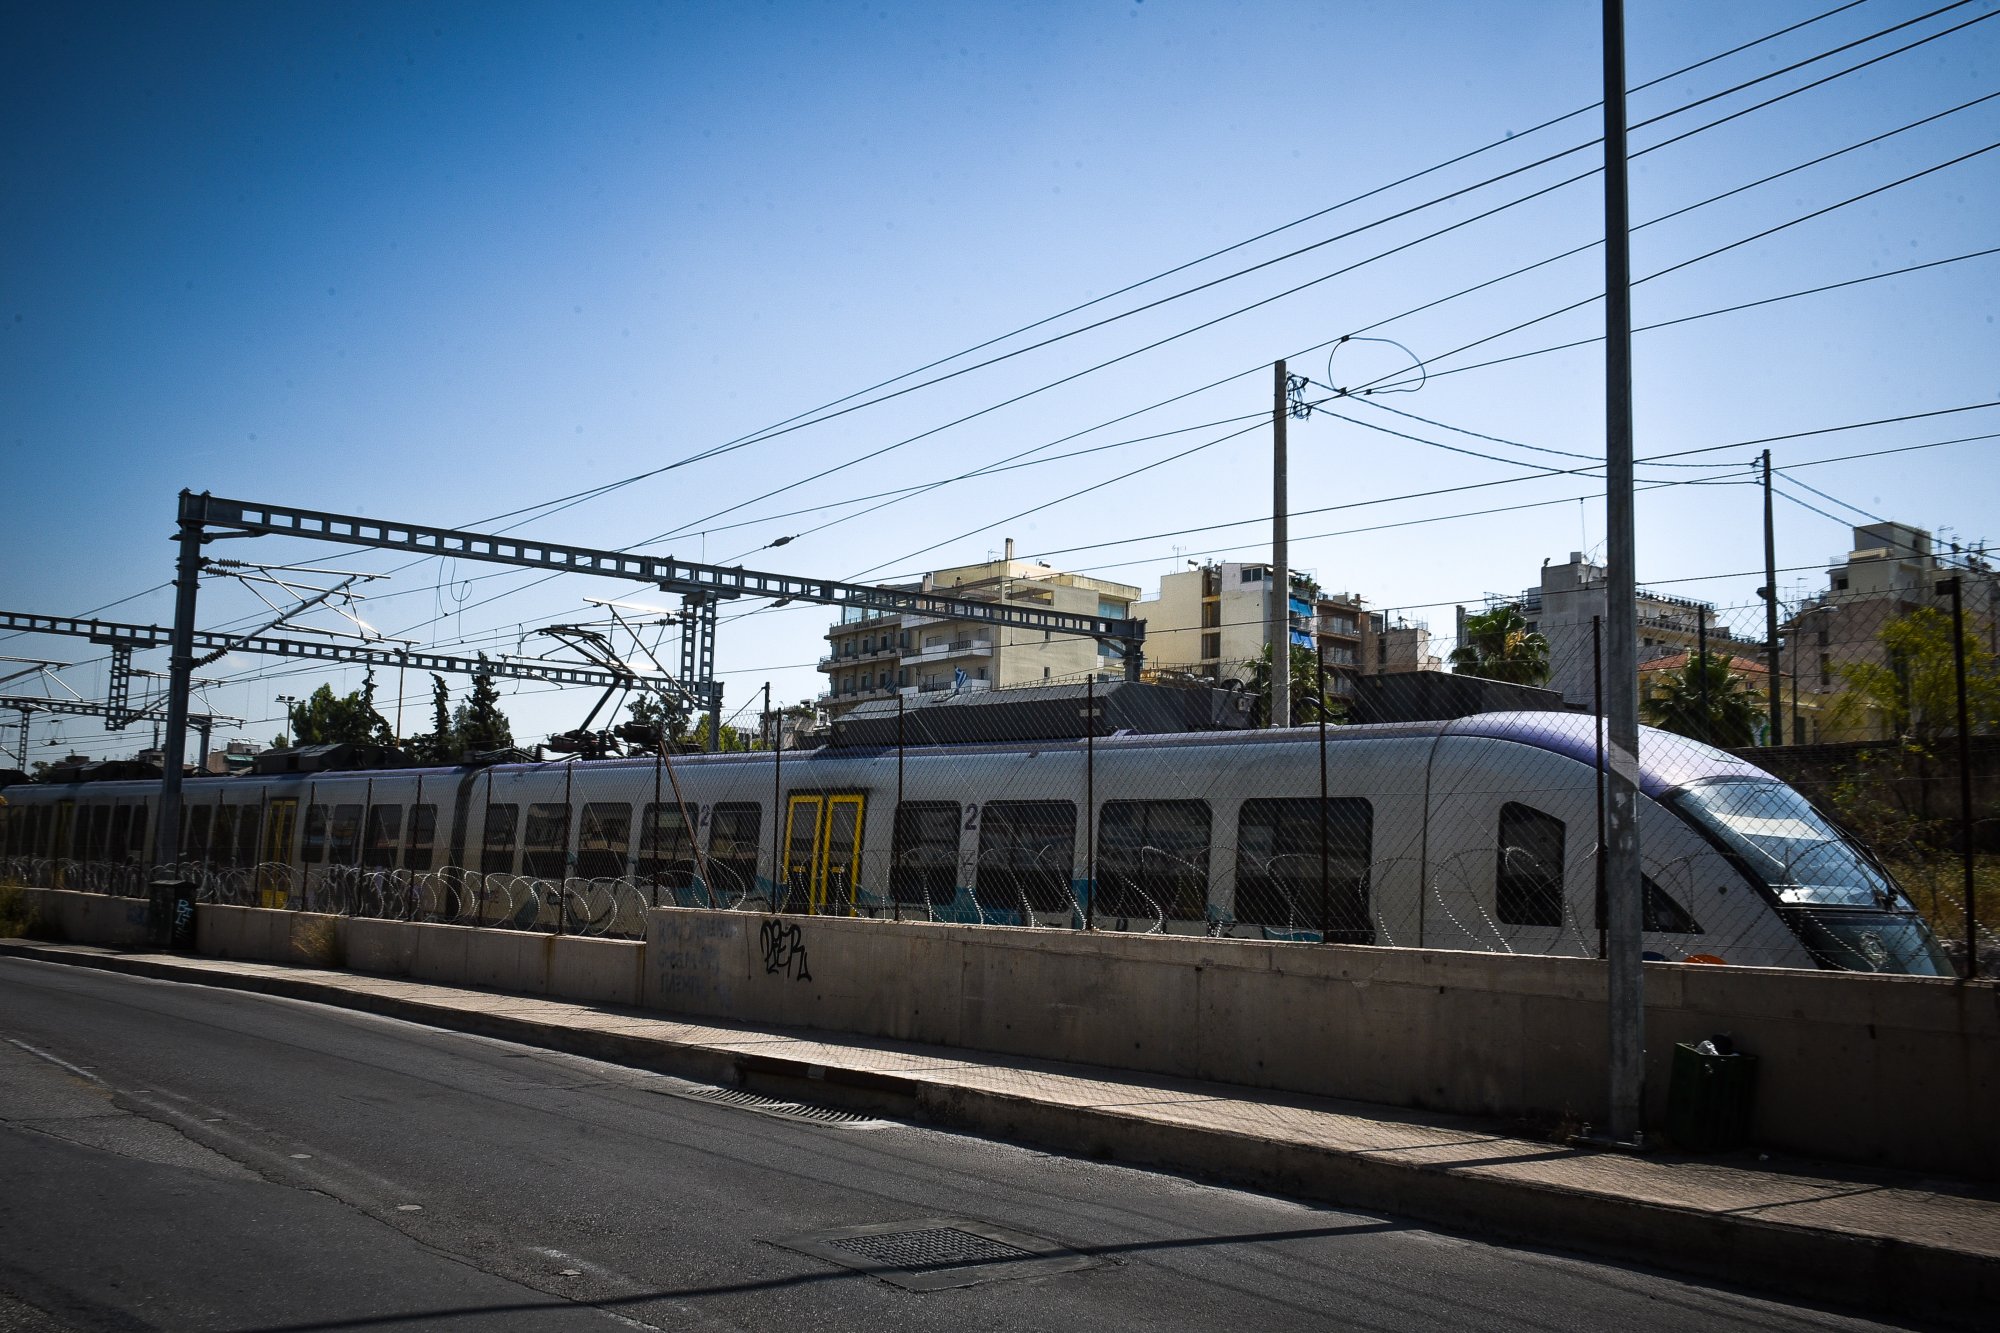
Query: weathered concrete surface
{"type": "Point", "coordinates": [1917, 1249]}
{"type": "Point", "coordinates": [1896, 1070]}
{"type": "Point", "coordinates": [1900, 1071]}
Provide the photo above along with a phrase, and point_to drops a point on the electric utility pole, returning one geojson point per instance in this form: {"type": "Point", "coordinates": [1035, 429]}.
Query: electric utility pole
{"type": "Point", "coordinates": [1281, 577]}
{"type": "Point", "coordinates": [1770, 591]}
{"type": "Point", "coordinates": [1625, 979]}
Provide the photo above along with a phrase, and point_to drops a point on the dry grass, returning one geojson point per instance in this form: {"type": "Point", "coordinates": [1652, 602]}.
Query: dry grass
{"type": "Point", "coordinates": [1936, 883]}
{"type": "Point", "coordinates": [17, 914]}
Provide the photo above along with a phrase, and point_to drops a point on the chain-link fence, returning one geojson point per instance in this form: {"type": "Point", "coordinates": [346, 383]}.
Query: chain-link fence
{"type": "Point", "coordinates": [1414, 809]}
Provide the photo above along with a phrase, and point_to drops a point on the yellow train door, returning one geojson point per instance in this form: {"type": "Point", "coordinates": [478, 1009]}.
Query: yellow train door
{"type": "Point", "coordinates": [274, 877]}
{"type": "Point", "coordinates": [822, 852]}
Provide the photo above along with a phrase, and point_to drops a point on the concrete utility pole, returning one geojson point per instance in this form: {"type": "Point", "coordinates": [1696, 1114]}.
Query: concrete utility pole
{"type": "Point", "coordinates": [1281, 577]}
{"type": "Point", "coordinates": [1770, 591]}
{"type": "Point", "coordinates": [180, 680]}
{"type": "Point", "coordinates": [1625, 978]}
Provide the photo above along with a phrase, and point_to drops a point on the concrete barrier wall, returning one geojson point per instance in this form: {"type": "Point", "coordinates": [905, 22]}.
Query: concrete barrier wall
{"type": "Point", "coordinates": [1902, 1071]}
{"type": "Point", "coordinates": [90, 918]}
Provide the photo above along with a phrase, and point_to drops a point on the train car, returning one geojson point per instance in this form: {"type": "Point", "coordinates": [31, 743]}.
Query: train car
{"type": "Point", "coordinates": [1477, 833]}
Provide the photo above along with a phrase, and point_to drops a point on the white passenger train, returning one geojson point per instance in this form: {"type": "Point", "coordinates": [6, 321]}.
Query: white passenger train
{"type": "Point", "coordinates": [1478, 833]}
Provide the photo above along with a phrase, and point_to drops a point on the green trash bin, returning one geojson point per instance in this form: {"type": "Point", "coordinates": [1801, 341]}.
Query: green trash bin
{"type": "Point", "coordinates": [1710, 1099]}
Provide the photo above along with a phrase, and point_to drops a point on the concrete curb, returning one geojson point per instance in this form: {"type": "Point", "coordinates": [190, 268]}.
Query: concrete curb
{"type": "Point", "coordinates": [1899, 1278]}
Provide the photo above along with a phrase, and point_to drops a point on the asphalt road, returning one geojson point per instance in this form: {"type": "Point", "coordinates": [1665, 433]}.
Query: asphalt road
{"type": "Point", "coordinates": [177, 1157]}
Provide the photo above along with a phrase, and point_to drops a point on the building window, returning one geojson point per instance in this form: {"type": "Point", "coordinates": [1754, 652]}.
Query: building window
{"type": "Point", "coordinates": [1211, 647]}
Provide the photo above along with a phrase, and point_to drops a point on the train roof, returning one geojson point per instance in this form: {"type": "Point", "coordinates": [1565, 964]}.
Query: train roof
{"type": "Point", "coordinates": [1666, 761]}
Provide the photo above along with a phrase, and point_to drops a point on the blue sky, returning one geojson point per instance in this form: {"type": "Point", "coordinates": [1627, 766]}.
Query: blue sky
{"type": "Point", "coordinates": [443, 262]}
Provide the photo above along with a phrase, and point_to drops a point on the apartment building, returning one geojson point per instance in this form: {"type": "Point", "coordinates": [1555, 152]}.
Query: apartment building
{"type": "Point", "coordinates": [1394, 647]}
{"type": "Point", "coordinates": [1891, 570]}
{"type": "Point", "coordinates": [1571, 594]}
{"type": "Point", "coordinates": [874, 655]}
{"type": "Point", "coordinates": [1213, 620]}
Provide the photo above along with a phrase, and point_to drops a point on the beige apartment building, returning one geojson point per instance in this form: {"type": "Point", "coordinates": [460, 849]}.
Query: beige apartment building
{"type": "Point", "coordinates": [1891, 570]}
{"type": "Point", "coordinates": [1571, 594]}
{"type": "Point", "coordinates": [874, 655]}
{"type": "Point", "coordinates": [1214, 620]}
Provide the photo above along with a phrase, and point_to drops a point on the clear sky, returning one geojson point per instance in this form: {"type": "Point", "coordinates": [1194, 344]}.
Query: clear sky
{"type": "Point", "coordinates": [443, 262]}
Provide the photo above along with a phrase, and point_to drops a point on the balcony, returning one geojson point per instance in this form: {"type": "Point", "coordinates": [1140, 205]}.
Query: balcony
{"type": "Point", "coordinates": [955, 648]}
{"type": "Point", "coordinates": [835, 661]}
{"type": "Point", "coordinates": [839, 698]}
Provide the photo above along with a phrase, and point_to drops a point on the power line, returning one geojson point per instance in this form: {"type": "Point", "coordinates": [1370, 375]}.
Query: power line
{"type": "Point", "coordinates": [798, 420]}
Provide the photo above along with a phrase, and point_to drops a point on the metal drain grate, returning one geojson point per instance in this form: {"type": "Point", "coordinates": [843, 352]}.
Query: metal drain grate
{"type": "Point", "coordinates": [934, 1247]}
{"type": "Point", "coordinates": [934, 1253]}
{"type": "Point", "coordinates": [752, 1101]}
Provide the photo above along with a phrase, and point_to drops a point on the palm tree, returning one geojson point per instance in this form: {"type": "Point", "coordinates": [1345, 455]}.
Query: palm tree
{"type": "Point", "coordinates": [1304, 691]}
{"type": "Point", "coordinates": [1498, 645]}
{"type": "Point", "coordinates": [1705, 701]}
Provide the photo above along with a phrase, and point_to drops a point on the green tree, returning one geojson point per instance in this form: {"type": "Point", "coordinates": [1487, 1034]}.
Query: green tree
{"type": "Point", "coordinates": [1704, 700]}
{"type": "Point", "coordinates": [1911, 694]}
{"type": "Point", "coordinates": [479, 725]}
{"type": "Point", "coordinates": [439, 745]}
{"type": "Point", "coordinates": [1498, 645]}
{"type": "Point", "coordinates": [326, 718]}
{"type": "Point", "coordinates": [732, 739]}
{"type": "Point", "coordinates": [1304, 690]}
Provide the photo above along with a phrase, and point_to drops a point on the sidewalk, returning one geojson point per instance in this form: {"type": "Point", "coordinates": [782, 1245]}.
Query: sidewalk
{"type": "Point", "coordinates": [1884, 1241]}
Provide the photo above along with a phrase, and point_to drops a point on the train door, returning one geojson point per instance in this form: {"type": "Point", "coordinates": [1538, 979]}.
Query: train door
{"type": "Point", "coordinates": [274, 871]}
{"type": "Point", "coordinates": [822, 852]}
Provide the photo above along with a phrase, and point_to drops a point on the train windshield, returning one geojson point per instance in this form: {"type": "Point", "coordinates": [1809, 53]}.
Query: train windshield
{"type": "Point", "coordinates": [1788, 844]}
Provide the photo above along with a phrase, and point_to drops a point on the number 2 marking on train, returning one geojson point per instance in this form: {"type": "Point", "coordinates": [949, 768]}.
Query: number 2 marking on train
{"type": "Point", "coordinates": [971, 818]}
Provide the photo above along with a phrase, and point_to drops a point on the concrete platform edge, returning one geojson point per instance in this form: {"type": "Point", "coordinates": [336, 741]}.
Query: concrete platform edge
{"type": "Point", "coordinates": [1824, 1266]}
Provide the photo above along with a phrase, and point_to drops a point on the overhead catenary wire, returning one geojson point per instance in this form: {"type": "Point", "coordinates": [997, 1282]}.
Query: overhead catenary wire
{"type": "Point", "coordinates": [963, 419]}
{"type": "Point", "coordinates": [799, 419]}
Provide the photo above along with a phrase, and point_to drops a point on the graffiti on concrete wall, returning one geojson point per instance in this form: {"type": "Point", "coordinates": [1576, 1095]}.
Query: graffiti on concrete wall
{"type": "Point", "coordinates": [784, 950]}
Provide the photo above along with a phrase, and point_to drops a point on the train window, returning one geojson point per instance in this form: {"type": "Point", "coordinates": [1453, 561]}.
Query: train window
{"type": "Point", "coordinates": [603, 840]}
{"type": "Point", "coordinates": [345, 843]}
{"type": "Point", "coordinates": [248, 820]}
{"type": "Point", "coordinates": [96, 831]}
{"type": "Point", "coordinates": [923, 865]}
{"type": "Point", "coordinates": [222, 837]}
{"type": "Point", "coordinates": [545, 853]}
{"type": "Point", "coordinates": [666, 852]}
{"type": "Point", "coordinates": [1027, 851]}
{"type": "Point", "coordinates": [496, 856]}
{"type": "Point", "coordinates": [313, 850]}
{"type": "Point", "coordinates": [135, 837]}
{"type": "Point", "coordinates": [1528, 883]}
{"type": "Point", "coordinates": [385, 830]}
{"type": "Point", "coordinates": [121, 826]}
{"type": "Point", "coordinates": [1658, 911]}
{"type": "Point", "coordinates": [194, 838]}
{"type": "Point", "coordinates": [422, 834]}
{"type": "Point", "coordinates": [1152, 860]}
{"type": "Point", "coordinates": [1278, 866]}
{"type": "Point", "coordinates": [732, 850]}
